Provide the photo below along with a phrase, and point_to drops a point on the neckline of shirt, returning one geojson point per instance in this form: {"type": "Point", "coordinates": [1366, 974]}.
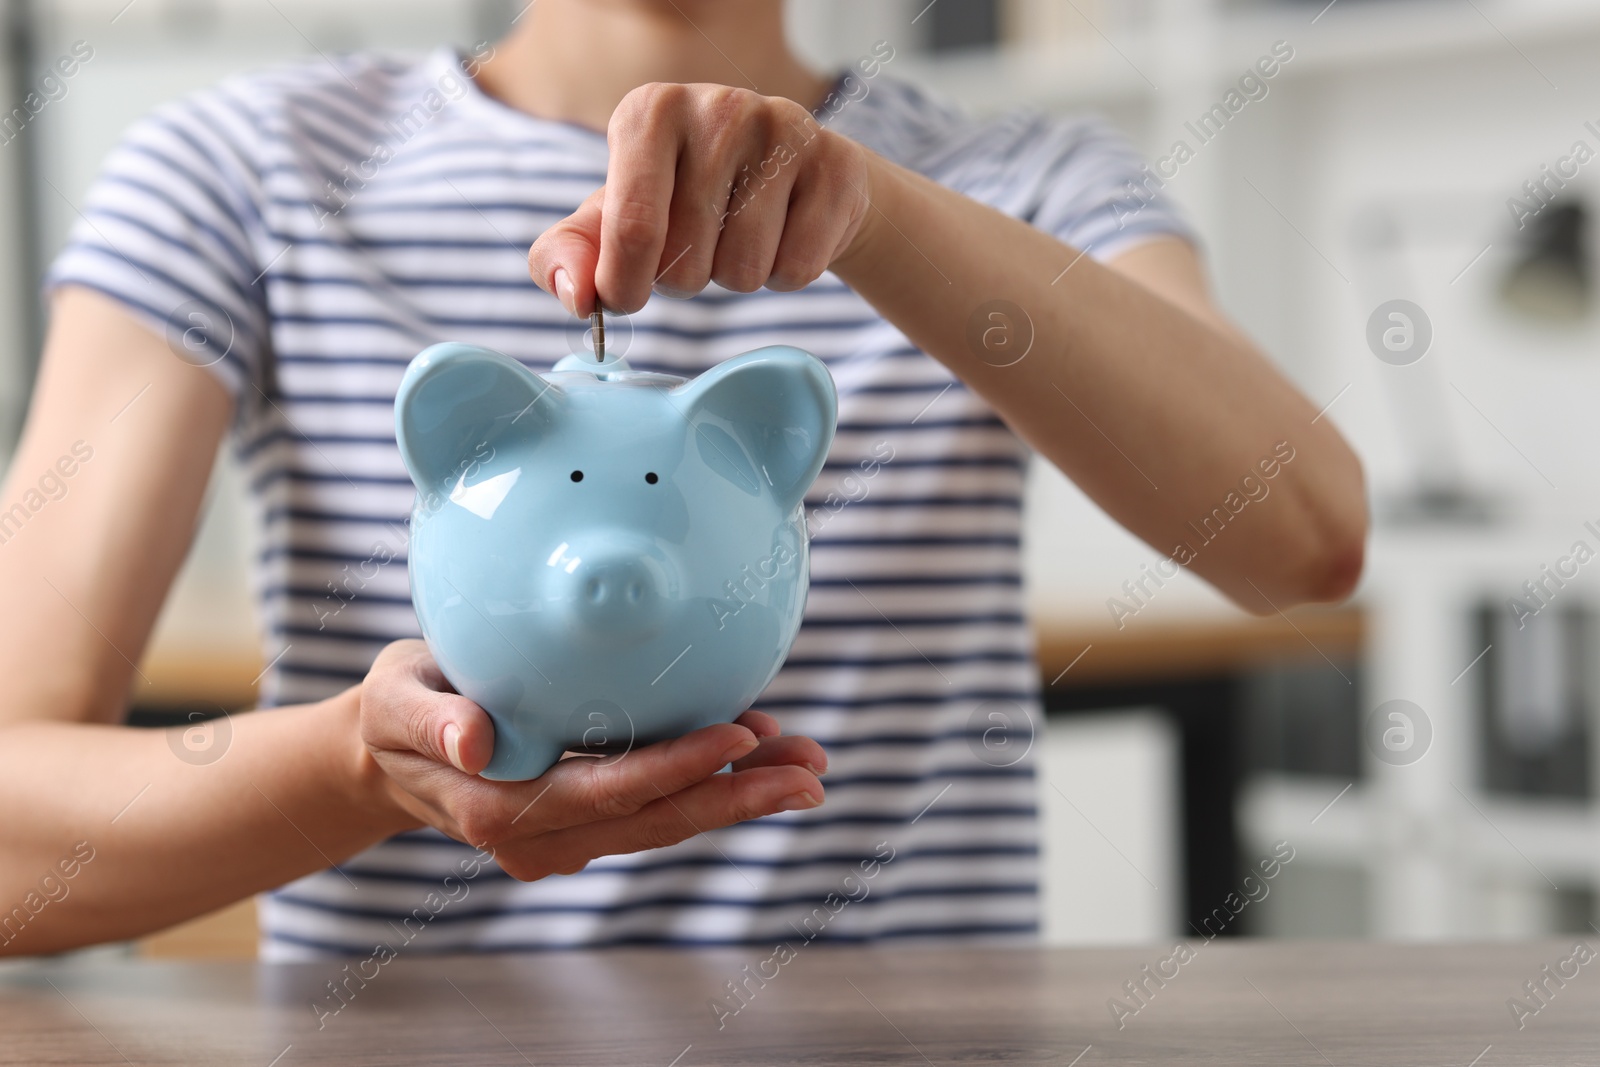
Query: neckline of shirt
{"type": "Point", "coordinates": [446, 60]}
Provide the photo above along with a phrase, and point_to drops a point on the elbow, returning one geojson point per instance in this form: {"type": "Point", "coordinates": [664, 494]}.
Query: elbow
{"type": "Point", "coordinates": [1317, 550]}
{"type": "Point", "coordinates": [1335, 571]}
{"type": "Point", "coordinates": [1334, 543]}
{"type": "Point", "coordinates": [1320, 568]}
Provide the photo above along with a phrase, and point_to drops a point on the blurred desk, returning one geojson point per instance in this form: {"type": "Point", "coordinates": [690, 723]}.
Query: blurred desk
{"type": "Point", "coordinates": [1261, 1002]}
{"type": "Point", "coordinates": [1194, 670]}
{"type": "Point", "coordinates": [229, 933]}
{"type": "Point", "coordinates": [208, 679]}
{"type": "Point", "coordinates": [1167, 648]}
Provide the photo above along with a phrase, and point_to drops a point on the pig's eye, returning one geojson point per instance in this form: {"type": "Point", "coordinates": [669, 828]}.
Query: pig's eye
{"type": "Point", "coordinates": [651, 478]}
{"type": "Point", "coordinates": [577, 476]}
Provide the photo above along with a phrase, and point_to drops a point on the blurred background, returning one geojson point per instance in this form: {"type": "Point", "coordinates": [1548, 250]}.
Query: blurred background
{"type": "Point", "coordinates": [1399, 215]}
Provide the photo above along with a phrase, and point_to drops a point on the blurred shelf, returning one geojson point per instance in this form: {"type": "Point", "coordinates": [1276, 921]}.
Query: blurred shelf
{"type": "Point", "coordinates": [1134, 65]}
{"type": "Point", "coordinates": [1360, 33]}
{"type": "Point", "coordinates": [1167, 648]}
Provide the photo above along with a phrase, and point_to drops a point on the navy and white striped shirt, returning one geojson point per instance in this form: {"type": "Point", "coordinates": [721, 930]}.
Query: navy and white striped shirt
{"type": "Point", "coordinates": [324, 222]}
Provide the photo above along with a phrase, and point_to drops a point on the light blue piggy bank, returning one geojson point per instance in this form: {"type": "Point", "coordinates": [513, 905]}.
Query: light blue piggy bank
{"type": "Point", "coordinates": [601, 557]}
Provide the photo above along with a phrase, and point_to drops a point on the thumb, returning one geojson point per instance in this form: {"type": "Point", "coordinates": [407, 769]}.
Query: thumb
{"type": "Point", "coordinates": [456, 731]}
{"type": "Point", "coordinates": [562, 261]}
{"type": "Point", "coordinates": [406, 705]}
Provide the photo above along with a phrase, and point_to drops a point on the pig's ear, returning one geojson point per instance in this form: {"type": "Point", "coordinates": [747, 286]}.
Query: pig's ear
{"type": "Point", "coordinates": [768, 414]}
{"type": "Point", "coordinates": [454, 400]}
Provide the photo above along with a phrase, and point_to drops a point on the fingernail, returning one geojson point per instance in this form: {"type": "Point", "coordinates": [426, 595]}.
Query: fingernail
{"type": "Point", "coordinates": [818, 771]}
{"type": "Point", "coordinates": [452, 746]}
{"type": "Point", "coordinates": [798, 802]}
{"type": "Point", "coordinates": [742, 749]}
{"type": "Point", "coordinates": [566, 292]}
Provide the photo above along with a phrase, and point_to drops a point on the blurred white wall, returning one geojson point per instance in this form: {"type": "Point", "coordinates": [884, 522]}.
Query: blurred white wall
{"type": "Point", "coordinates": [1109, 829]}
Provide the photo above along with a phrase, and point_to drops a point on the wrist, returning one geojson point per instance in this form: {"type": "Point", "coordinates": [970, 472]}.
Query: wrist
{"type": "Point", "coordinates": [876, 186]}
{"type": "Point", "coordinates": [369, 791]}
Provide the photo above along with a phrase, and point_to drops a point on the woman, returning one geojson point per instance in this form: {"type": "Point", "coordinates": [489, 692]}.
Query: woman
{"type": "Point", "coordinates": [977, 289]}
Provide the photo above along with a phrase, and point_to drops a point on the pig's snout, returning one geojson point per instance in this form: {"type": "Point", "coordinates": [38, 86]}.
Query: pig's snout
{"type": "Point", "coordinates": [618, 590]}
{"type": "Point", "coordinates": [619, 585]}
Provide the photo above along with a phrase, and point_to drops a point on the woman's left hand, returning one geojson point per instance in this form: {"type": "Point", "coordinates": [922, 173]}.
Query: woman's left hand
{"type": "Point", "coordinates": [707, 183]}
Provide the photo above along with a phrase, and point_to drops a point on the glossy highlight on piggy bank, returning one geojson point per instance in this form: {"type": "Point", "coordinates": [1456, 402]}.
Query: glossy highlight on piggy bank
{"type": "Point", "coordinates": [601, 557]}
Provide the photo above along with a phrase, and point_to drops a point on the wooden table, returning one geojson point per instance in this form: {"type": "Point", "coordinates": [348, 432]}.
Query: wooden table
{"type": "Point", "coordinates": [1092, 651]}
{"type": "Point", "coordinates": [1233, 1003]}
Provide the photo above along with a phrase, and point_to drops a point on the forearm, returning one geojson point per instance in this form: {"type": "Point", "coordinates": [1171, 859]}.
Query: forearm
{"type": "Point", "coordinates": [1154, 412]}
{"type": "Point", "coordinates": [170, 839]}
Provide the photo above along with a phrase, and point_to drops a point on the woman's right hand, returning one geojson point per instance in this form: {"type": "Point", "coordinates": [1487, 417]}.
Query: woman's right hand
{"type": "Point", "coordinates": [431, 742]}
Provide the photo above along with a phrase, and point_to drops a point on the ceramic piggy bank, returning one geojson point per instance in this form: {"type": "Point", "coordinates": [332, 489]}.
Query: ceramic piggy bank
{"type": "Point", "coordinates": [601, 557]}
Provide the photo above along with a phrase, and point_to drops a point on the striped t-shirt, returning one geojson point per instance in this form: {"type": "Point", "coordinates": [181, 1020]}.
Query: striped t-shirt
{"type": "Point", "coordinates": [322, 223]}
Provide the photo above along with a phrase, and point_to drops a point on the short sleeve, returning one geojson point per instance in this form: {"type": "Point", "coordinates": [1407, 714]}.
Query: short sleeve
{"type": "Point", "coordinates": [1084, 182]}
{"type": "Point", "coordinates": [168, 231]}
{"type": "Point", "coordinates": [1076, 177]}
